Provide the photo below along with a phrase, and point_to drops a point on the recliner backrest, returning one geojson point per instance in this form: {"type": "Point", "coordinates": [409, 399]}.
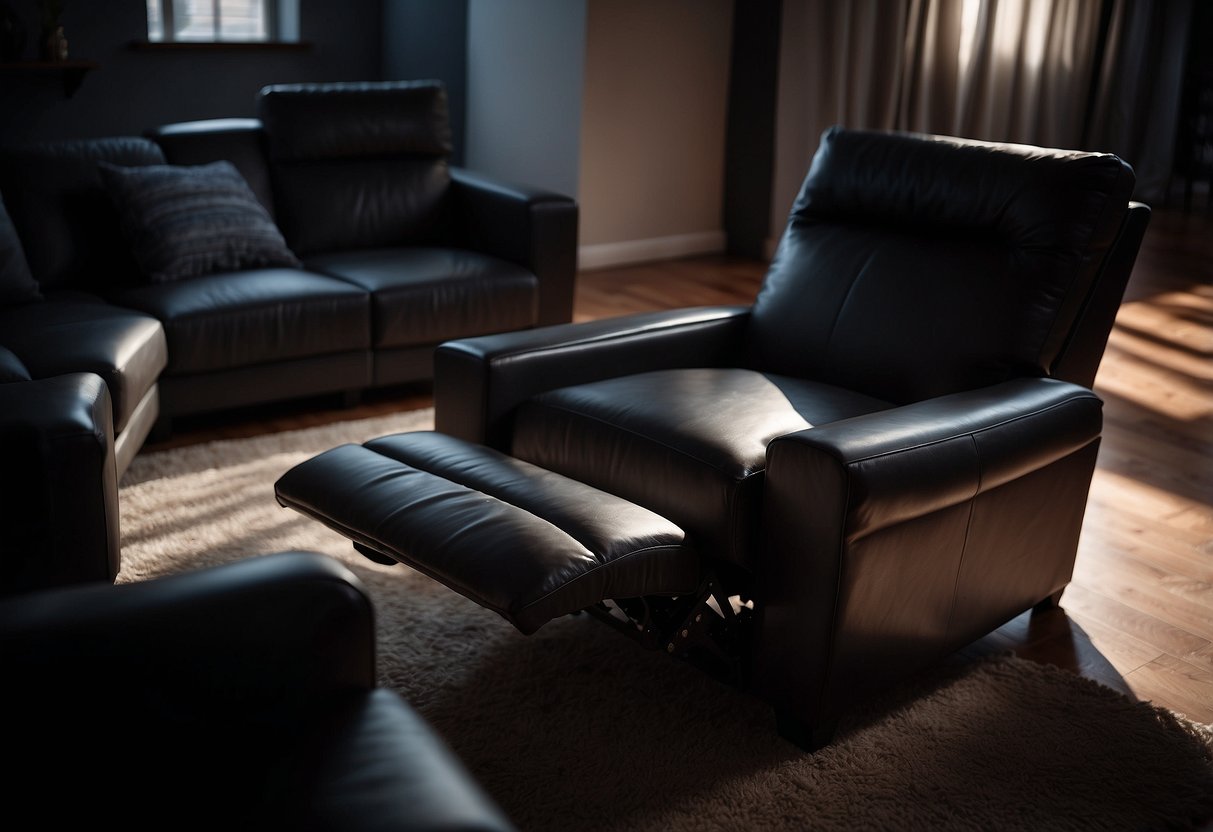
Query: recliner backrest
{"type": "Point", "coordinates": [358, 165]}
{"type": "Point", "coordinates": [913, 266]}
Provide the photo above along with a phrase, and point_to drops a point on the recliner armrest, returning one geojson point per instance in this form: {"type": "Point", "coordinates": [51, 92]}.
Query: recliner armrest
{"type": "Point", "coordinates": [897, 536]}
{"type": "Point", "coordinates": [532, 227]}
{"type": "Point", "coordinates": [909, 461]}
{"type": "Point", "coordinates": [478, 382]}
{"type": "Point", "coordinates": [272, 635]}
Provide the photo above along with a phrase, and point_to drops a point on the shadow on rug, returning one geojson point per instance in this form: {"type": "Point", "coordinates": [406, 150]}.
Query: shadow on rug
{"type": "Point", "coordinates": [577, 728]}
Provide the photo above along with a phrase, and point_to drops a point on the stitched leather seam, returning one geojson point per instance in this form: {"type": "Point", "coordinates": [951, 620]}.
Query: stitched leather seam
{"type": "Point", "coordinates": [976, 431]}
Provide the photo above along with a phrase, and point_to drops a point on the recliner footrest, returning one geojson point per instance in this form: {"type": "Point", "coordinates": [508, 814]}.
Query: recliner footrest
{"type": "Point", "coordinates": [522, 541]}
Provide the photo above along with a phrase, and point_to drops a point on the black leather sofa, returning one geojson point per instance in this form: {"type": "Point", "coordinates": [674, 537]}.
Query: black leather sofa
{"type": "Point", "coordinates": [242, 696]}
{"type": "Point", "coordinates": [399, 252]}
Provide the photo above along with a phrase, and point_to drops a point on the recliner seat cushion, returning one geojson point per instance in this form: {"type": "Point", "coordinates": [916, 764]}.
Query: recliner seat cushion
{"type": "Point", "coordinates": [978, 255]}
{"type": "Point", "coordinates": [223, 321]}
{"type": "Point", "coordinates": [688, 444]}
{"type": "Point", "coordinates": [73, 333]}
{"type": "Point", "coordinates": [428, 295]}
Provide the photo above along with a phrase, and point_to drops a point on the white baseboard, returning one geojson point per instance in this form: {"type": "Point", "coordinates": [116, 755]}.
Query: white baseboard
{"type": "Point", "coordinates": [602, 255]}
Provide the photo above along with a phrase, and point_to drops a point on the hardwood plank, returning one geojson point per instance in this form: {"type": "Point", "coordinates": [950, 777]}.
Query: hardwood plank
{"type": "Point", "coordinates": [1143, 632]}
{"type": "Point", "coordinates": [1176, 684]}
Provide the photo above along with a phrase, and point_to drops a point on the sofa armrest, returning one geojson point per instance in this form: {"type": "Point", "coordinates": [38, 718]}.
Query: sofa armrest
{"type": "Point", "coordinates": [59, 484]}
{"type": "Point", "coordinates": [533, 228]}
{"type": "Point", "coordinates": [478, 382]}
{"type": "Point", "coordinates": [930, 525]}
{"type": "Point", "coordinates": [265, 638]}
{"type": "Point", "coordinates": [375, 764]}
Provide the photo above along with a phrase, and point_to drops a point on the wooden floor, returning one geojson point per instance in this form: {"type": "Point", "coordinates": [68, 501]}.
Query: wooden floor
{"type": "Point", "coordinates": [1139, 613]}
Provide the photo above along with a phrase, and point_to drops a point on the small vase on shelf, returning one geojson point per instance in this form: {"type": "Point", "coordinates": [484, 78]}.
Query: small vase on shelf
{"type": "Point", "coordinates": [54, 45]}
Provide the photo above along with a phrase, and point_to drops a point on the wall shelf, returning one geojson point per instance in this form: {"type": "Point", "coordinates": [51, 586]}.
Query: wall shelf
{"type": "Point", "coordinates": [72, 72]}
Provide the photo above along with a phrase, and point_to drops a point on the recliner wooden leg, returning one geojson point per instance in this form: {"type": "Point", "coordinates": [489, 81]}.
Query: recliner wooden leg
{"type": "Point", "coordinates": [800, 733]}
{"type": "Point", "coordinates": [1050, 603]}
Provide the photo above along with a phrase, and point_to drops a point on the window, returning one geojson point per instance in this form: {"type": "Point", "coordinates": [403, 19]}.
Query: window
{"type": "Point", "coordinates": [222, 21]}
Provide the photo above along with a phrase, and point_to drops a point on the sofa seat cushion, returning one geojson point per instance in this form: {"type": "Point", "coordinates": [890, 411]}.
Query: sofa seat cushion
{"type": "Point", "coordinates": [237, 319]}
{"type": "Point", "coordinates": [428, 295]}
{"type": "Point", "coordinates": [73, 332]}
{"type": "Point", "coordinates": [688, 444]}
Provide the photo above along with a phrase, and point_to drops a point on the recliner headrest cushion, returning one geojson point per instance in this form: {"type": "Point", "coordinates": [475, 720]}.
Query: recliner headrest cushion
{"type": "Point", "coordinates": [913, 266]}
{"type": "Point", "coordinates": [1027, 196]}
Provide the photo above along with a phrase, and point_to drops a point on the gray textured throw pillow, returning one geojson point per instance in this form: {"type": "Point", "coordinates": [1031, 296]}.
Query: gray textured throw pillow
{"type": "Point", "coordinates": [193, 220]}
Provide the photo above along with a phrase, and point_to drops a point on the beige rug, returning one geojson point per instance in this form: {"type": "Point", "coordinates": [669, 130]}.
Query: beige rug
{"type": "Point", "coordinates": [577, 728]}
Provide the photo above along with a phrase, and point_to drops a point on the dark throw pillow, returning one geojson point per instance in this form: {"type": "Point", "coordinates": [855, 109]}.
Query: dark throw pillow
{"type": "Point", "coordinates": [17, 285]}
{"type": "Point", "coordinates": [192, 220]}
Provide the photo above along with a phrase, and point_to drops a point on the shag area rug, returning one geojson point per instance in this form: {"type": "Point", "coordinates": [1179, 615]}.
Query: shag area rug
{"type": "Point", "coordinates": [578, 728]}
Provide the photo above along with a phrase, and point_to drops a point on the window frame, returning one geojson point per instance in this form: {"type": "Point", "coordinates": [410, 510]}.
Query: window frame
{"type": "Point", "coordinates": [281, 26]}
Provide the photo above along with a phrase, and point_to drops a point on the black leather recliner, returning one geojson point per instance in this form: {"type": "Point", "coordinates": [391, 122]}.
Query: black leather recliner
{"type": "Point", "coordinates": [884, 458]}
{"type": "Point", "coordinates": [241, 696]}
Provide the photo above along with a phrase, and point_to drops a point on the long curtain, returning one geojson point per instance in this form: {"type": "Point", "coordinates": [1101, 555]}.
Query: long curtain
{"type": "Point", "coordinates": [1084, 74]}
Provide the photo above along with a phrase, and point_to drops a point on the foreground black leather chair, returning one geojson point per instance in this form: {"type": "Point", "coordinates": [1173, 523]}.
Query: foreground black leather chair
{"type": "Point", "coordinates": [882, 459]}
{"type": "Point", "coordinates": [241, 696]}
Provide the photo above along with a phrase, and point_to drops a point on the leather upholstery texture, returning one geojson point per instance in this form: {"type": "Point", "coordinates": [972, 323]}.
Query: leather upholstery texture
{"type": "Point", "coordinates": [235, 319]}
{"type": "Point", "coordinates": [59, 492]}
{"type": "Point", "coordinates": [243, 696]}
{"type": "Point", "coordinates": [690, 444]}
{"type": "Point", "coordinates": [996, 258]}
{"type": "Point", "coordinates": [358, 166]}
{"type": "Point", "coordinates": [423, 295]}
{"type": "Point", "coordinates": [76, 333]}
{"type": "Point", "coordinates": [522, 541]}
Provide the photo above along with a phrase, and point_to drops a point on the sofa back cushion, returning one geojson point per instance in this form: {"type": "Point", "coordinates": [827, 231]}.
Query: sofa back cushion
{"type": "Point", "coordinates": [914, 266]}
{"type": "Point", "coordinates": [67, 223]}
{"type": "Point", "coordinates": [358, 165]}
{"type": "Point", "coordinates": [17, 285]}
{"type": "Point", "coordinates": [240, 141]}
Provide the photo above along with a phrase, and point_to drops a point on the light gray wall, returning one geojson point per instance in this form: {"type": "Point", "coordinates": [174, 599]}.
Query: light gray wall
{"type": "Point", "coordinates": [425, 39]}
{"type": "Point", "coordinates": [524, 85]}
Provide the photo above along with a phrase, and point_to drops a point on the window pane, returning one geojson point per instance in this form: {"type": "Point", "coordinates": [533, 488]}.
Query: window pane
{"type": "Point", "coordinates": [242, 20]}
{"type": "Point", "coordinates": [194, 20]}
{"type": "Point", "coordinates": [204, 21]}
{"type": "Point", "coordinates": [155, 23]}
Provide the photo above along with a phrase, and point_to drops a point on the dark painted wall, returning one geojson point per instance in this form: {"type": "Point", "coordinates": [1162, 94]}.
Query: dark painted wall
{"type": "Point", "coordinates": [425, 39]}
{"type": "Point", "coordinates": [132, 90]}
{"type": "Point", "coordinates": [750, 140]}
